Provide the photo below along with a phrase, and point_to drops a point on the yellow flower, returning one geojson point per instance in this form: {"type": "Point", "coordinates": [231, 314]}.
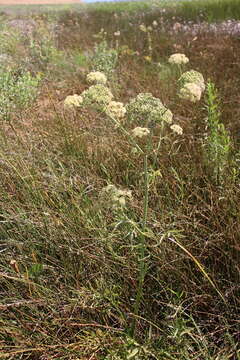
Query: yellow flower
{"type": "Point", "coordinates": [148, 58]}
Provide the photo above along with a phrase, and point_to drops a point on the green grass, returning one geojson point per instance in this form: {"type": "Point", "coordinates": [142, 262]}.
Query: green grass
{"type": "Point", "coordinates": [211, 10]}
{"type": "Point", "coordinates": [207, 10]}
{"type": "Point", "coordinates": [108, 7]}
{"type": "Point", "coordinates": [79, 279]}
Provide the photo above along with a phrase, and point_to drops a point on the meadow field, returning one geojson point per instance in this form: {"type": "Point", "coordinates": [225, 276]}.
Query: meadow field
{"type": "Point", "coordinates": [120, 181]}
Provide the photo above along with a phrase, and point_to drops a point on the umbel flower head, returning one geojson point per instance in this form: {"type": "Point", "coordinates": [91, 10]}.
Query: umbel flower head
{"type": "Point", "coordinates": [177, 129]}
{"type": "Point", "coordinates": [114, 197]}
{"type": "Point", "coordinates": [98, 96]}
{"type": "Point", "coordinates": [192, 76]}
{"type": "Point", "coordinates": [143, 28]}
{"type": "Point", "coordinates": [148, 111]}
{"type": "Point", "coordinates": [72, 101]}
{"type": "Point", "coordinates": [116, 110]}
{"type": "Point", "coordinates": [191, 92]}
{"type": "Point", "coordinates": [178, 59]}
{"type": "Point", "coordinates": [167, 116]}
{"type": "Point", "coordinates": [96, 77]}
{"type": "Point", "coordinates": [140, 132]}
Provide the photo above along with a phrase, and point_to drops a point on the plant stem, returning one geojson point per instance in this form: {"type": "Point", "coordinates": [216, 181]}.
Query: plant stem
{"type": "Point", "coordinates": [159, 145]}
{"type": "Point", "coordinates": [142, 248]}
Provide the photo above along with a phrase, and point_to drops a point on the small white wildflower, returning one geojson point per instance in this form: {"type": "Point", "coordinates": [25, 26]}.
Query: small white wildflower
{"type": "Point", "coordinates": [177, 129]}
{"type": "Point", "coordinates": [191, 92]}
{"type": "Point", "coordinates": [73, 101]}
{"type": "Point", "coordinates": [140, 132]}
{"type": "Point", "coordinates": [149, 28]}
{"type": "Point", "coordinates": [116, 109]}
{"type": "Point", "coordinates": [119, 197]}
{"type": "Point", "coordinates": [117, 33]}
{"type": "Point", "coordinates": [143, 28]}
{"type": "Point", "coordinates": [115, 198]}
{"type": "Point", "coordinates": [155, 23]}
{"type": "Point", "coordinates": [178, 59]}
{"type": "Point", "coordinates": [96, 77]}
{"type": "Point", "coordinates": [97, 95]}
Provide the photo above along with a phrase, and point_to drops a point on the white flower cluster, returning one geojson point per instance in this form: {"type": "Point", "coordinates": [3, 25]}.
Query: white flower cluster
{"type": "Point", "coordinates": [72, 101]}
{"type": "Point", "coordinates": [114, 197]}
{"type": "Point", "coordinates": [98, 96]}
{"type": "Point", "coordinates": [140, 132]}
{"type": "Point", "coordinates": [148, 111]}
{"type": "Point", "coordinates": [178, 59]}
{"type": "Point", "coordinates": [116, 110]}
{"type": "Point", "coordinates": [191, 92]}
{"type": "Point", "coordinates": [177, 129]}
{"type": "Point", "coordinates": [191, 85]}
{"type": "Point", "coordinates": [192, 76]}
{"type": "Point", "coordinates": [96, 77]}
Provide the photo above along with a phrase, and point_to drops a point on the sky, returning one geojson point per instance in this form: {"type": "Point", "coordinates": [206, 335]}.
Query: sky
{"type": "Point", "coordinates": [88, 1]}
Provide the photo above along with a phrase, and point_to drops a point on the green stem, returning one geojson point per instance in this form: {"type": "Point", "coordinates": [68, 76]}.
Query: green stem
{"type": "Point", "coordinates": [142, 248]}
{"type": "Point", "coordinates": [159, 145]}
{"type": "Point", "coordinates": [126, 133]}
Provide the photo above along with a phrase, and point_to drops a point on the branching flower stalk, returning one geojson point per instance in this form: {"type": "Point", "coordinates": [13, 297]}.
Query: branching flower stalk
{"type": "Point", "coordinates": [142, 266]}
{"type": "Point", "coordinates": [149, 112]}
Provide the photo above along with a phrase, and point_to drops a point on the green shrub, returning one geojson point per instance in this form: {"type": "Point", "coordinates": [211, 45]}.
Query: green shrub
{"type": "Point", "coordinates": [217, 141]}
{"type": "Point", "coordinates": [17, 92]}
{"type": "Point", "coordinates": [104, 59]}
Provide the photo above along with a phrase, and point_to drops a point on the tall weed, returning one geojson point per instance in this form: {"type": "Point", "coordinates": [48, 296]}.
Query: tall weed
{"type": "Point", "coordinates": [217, 142]}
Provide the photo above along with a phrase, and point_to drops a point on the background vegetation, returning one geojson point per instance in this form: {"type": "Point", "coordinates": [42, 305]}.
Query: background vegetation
{"type": "Point", "coordinates": [69, 266]}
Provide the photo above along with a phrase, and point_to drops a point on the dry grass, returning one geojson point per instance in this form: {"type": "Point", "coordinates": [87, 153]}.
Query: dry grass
{"type": "Point", "coordinates": [70, 267]}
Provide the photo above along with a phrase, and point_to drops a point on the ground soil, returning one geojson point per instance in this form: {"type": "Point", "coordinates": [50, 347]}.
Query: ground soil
{"type": "Point", "coordinates": [37, 2]}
